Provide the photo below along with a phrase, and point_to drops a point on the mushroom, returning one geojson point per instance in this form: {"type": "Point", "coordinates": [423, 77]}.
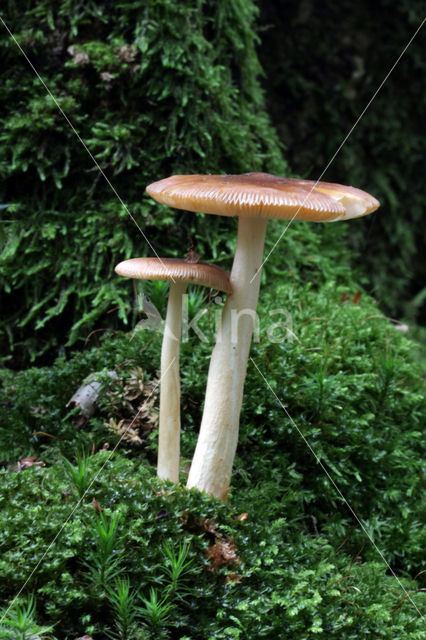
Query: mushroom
{"type": "Point", "coordinates": [180, 273]}
{"type": "Point", "coordinates": [253, 197]}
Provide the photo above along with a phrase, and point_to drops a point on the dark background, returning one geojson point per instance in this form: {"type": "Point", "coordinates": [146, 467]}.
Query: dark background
{"type": "Point", "coordinates": [323, 62]}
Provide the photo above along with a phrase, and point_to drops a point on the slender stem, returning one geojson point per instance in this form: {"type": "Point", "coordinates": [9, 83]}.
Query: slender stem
{"type": "Point", "coordinates": [169, 427]}
{"type": "Point", "coordinates": [211, 467]}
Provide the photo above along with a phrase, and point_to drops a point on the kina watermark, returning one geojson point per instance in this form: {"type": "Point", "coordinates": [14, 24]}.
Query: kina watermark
{"type": "Point", "coordinates": [276, 325]}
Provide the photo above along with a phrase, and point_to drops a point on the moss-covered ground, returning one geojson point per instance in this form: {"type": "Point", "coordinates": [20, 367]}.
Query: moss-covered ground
{"type": "Point", "coordinates": [324, 531]}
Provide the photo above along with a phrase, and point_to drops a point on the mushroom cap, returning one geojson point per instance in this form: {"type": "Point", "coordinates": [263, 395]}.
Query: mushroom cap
{"type": "Point", "coordinates": [262, 195]}
{"type": "Point", "coordinates": [176, 269]}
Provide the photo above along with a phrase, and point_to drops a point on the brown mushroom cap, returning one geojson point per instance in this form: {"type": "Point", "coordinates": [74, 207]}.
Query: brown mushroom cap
{"type": "Point", "coordinates": [175, 269]}
{"type": "Point", "coordinates": [262, 195]}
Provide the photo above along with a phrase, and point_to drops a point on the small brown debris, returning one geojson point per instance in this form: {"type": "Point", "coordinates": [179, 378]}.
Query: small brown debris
{"type": "Point", "coordinates": [242, 517]}
{"type": "Point", "coordinates": [132, 395]}
{"type": "Point", "coordinates": [199, 525]}
{"type": "Point", "coordinates": [97, 506]}
{"type": "Point", "coordinates": [222, 550]}
{"type": "Point", "coordinates": [124, 431]}
{"type": "Point", "coordinates": [192, 257]}
{"type": "Point", "coordinates": [107, 78]}
{"type": "Point", "coordinates": [31, 461]}
{"type": "Point", "coordinates": [223, 553]}
{"type": "Point", "coordinates": [208, 525]}
{"type": "Point", "coordinates": [233, 577]}
{"type": "Point", "coordinates": [43, 433]}
{"type": "Point", "coordinates": [78, 57]}
{"type": "Point", "coordinates": [127, 53]}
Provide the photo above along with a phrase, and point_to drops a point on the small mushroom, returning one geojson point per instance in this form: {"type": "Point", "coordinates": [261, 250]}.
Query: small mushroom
{"type": "Point", "coordinates": [180, 273]}
{"type": "Point", "coordinates": [253, 197]}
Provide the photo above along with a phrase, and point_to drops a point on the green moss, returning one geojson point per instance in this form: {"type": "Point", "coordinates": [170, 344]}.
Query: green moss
{"type": "Point", "coordinates": [152, 89]}
{"type": "Point", "coordinates": [349, 385]}
{"type": "Point", "coordinates": [281, 578]}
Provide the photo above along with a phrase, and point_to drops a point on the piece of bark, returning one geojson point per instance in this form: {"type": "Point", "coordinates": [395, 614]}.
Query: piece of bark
{"type": "Point", "coordinates": [88, 394]}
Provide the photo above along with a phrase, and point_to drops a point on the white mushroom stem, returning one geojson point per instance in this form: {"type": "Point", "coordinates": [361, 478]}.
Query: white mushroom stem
{"type": "Point", "coordinates": [211, 467]}
{"type": "Point", "coordinates": [169, 423]}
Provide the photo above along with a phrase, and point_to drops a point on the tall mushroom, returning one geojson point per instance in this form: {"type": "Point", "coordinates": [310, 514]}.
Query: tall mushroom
{"type": "Point", "coordinates": [253, 197]}
{"type": "Point", "coordinates": [180, 273]}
